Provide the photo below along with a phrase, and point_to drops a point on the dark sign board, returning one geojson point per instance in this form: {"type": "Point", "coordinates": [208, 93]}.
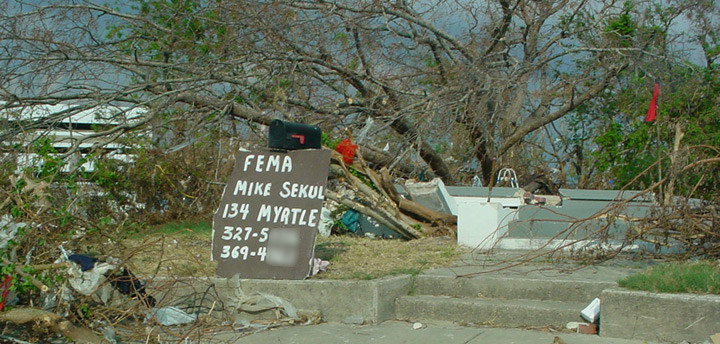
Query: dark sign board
{"type": "Point", "coordinates": [266, 223]}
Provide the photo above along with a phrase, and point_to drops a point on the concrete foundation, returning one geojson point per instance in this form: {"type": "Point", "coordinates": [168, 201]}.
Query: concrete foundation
{"type": "Point", "coordinates": [510, 301]}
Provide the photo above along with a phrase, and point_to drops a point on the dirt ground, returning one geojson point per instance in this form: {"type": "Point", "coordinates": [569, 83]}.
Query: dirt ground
{"type": "Point", "coordinates": [184, 252]}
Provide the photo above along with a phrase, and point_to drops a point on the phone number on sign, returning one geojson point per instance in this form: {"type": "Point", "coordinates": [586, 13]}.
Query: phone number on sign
{"type": "Point", "coordinates": [244, 233]}
{"type": "Point", "coordinates": [242, 252]}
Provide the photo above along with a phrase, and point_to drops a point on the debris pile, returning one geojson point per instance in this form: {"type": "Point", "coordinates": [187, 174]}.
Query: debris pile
{"type": "Point", "coordinates": [100, 301]}
{"type": "Point", "coordinates": [358, 194]}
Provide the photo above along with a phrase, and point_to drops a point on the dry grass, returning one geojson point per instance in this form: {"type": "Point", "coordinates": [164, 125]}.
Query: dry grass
{"type": "Point", "coordinates": [182, 250]}
{"type": "Point", "coordinates": [364, 258]}
{"type": "Point", "coordinates": [167, 255]}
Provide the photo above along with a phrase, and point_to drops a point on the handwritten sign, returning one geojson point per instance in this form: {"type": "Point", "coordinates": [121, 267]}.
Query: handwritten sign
{"type": "Point", "coordinates": [266, 223]}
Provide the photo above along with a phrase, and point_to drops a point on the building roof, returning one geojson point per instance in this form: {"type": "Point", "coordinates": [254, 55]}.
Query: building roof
{"type": "Point", "coordinates": [102, 114]}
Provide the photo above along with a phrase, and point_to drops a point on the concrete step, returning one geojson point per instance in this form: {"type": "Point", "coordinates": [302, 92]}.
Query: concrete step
{"type": "Point", "coordinates": [511, 288]}
{"type": "Point", "coordinates": [494, 312]}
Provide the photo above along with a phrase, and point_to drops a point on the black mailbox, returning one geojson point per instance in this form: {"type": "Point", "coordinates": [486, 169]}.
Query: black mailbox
{"type": "Point", "coordinates": [292, 136]}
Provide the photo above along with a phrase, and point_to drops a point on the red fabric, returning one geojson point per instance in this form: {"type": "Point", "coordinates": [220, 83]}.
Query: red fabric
{"type": "Point", "coordinates": [347, 149]}
{"type": "Point", "coordinates": [652, 109]}
{"type": "Point", "coordinates": [5, 290]}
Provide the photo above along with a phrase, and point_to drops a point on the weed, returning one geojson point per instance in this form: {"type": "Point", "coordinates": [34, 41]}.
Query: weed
{"type": "Point", "coordinates": [687, 277]}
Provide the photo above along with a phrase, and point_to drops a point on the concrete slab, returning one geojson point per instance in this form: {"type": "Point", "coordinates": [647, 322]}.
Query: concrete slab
{"type": "Point", "coordinates": [625, 314]}
{"type": "Point", "coordinates": [395, 332]}
{"type": "Point", "coordinates": [558, 289]}
{"type": "Point", "coordinates": [501, 264]}
{"type": "Point", "coordinates": [495, 312]}
{"type": "Point", "coordinates": [657, 316]}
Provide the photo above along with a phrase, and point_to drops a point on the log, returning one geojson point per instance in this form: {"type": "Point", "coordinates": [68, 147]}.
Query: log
{"type": "Point", "coordinates": [52, 321]}
{"type": "Point", "coordinates": [426, 214]}
{"type": "Point", "coordinates": [382, 159]}
{"type": "Point", "coordinates": [387, 184]}
{"type": "Point", "coordinates": [412, 208]}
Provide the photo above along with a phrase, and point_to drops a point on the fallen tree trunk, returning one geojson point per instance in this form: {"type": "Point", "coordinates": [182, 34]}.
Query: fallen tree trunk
{"type": "Point", "coordinates": [53, 322]}
{"type": "Point", "coordinates": [413, 208]}
{"type": "Point", "coordinates": [382, 159]}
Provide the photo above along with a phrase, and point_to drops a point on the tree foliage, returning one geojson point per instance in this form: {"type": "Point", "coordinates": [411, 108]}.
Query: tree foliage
{"type": "Point", "coordinates": [622, 146]}
{"type": "Point", "coordinates": [459, 84]}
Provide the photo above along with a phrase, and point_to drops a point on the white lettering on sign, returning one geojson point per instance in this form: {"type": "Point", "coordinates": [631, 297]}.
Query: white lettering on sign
{"type": "Point", "coordinates": [288, 216]}
{"type": "Point", "coordinates": [252, 188]}
{"type": "Point", "coordinates": [296, 190]}
{"type": "Point", "coordinates": [233, 209]}
{"type": "Point", "coordinates": [244, 234]}
{"type": "Point", "coordinates": [242, 252]}
{"type": "Point", "coordinates": [265, 163]}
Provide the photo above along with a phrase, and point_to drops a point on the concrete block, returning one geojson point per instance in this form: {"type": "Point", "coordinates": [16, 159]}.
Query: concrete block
{"type": "Point", "coordinates": [506, 313]}
{"type": "Point", "coordinates": [511, 288]}
{"type": "Point", "coordinates": [360, 301]}
{"type": "Point", "coordinates": [481, 224]}
{"type": "Point", "coordinates": [658, 316]}
{"type": "Point", "coordinates": [386, 291]}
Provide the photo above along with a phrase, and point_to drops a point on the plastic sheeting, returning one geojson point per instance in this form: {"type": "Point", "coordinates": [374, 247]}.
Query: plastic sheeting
{"type": "Point", "coordinates": [87, 282]}
{"type": "Point", "coordinates": [8, 230]}
{"type": "Point", "coordinates": [170, 316]}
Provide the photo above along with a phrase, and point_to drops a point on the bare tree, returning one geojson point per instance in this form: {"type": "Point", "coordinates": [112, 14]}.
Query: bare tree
{"type": "Point", "coordinates": [452, 81]}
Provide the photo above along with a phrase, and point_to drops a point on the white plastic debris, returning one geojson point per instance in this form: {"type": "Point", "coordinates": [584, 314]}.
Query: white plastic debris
{"type": "Point", "coordinates": [169, 316]}
{"type": "Point", "coordinates": [591, 313]}
{"type": "Point", "coordinates": [64, 254]}
{"type": "Point", "coordinates": [318, 266]}
{"type": "Point", "coordinates": [326, 223]}
{"type": "Point", "coordinates": [417, 326]}
{"type": "Point", "coordinates": [87, 282]}
{"type": "Point", "coordinates": [8, 230]}
{"type": "Point", "coordinates": [573, 325]}
{"type": "Point", "coordinates": [51, 300]}
{"type": "Point", "coordinates": [258, 302]}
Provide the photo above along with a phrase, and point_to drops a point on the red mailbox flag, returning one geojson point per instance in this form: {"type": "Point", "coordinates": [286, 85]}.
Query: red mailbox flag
{"type": "Point", "coordinates": [652, 109]}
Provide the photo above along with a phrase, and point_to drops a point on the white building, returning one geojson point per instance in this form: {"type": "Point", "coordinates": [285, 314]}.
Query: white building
{"type": "Point", "coordinates": [68, 126]}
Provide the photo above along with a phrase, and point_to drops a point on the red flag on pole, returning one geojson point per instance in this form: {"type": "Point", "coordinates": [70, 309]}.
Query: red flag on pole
{"type": "Point", "coordinates": [652, 109]}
